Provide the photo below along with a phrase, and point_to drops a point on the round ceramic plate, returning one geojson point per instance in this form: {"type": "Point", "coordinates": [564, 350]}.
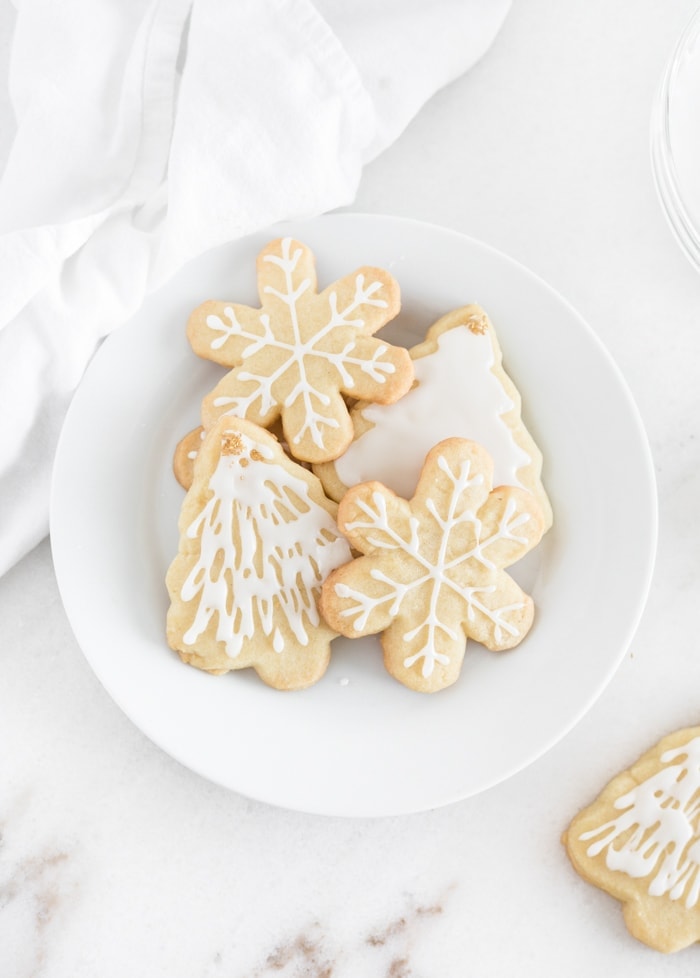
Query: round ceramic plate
{"type": "Point", "coordinates": [357, 743]}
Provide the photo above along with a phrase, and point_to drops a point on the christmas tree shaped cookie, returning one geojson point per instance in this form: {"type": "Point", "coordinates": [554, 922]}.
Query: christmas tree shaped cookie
{"type": "Point", "coordinates": [257, 539]}
{"type": "Point", "coordinates": [640, 841]}
{"type": "Point", "coordinates": [296, 355]}
{"type": "Point", "coordinates": [431, 574]}
{"type": "Point", "coordinates": [460, 390]}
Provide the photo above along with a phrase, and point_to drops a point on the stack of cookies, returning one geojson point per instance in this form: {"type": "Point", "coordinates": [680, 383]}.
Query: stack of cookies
{"type": "Point", "coordinates": [342, 485]}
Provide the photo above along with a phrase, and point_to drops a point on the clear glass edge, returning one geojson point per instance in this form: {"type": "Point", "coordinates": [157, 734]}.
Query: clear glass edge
{"type": "Point", "coordinates": [662, 163]}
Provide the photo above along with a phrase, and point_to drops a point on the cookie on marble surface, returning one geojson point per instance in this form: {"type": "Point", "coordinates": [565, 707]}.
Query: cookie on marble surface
{"type": "Point", "coordinates": [302, 350]}
{"type": "Point", "coordinates": [431, 574]}
{"type": "Point", "coordinates": [640, 842]}
{"type": "Point", "coordinates": [257, 539]}
{"type": "Point", "coordinates": [461, 390]}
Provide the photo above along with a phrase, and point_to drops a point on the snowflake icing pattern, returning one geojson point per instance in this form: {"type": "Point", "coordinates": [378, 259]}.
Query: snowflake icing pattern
{"type": "Point", "coordinates": [432, 571]}
{"type": "Point", "coordinates": [302, 349]}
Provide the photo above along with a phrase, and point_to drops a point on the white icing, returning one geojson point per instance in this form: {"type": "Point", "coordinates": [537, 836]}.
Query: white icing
{"type": "Point", "coordinates": [456, 395]}
{"type": "Point", "coordinates": [265, 548]}
{"type": "Point", "coordinates": [663, 816]}
{"type": "Point", "coordinates": [436, 571]}
{"type": "Point", "coordinates": [336, 333]}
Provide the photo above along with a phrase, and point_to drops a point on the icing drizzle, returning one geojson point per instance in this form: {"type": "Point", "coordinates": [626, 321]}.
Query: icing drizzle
{"type": "Point", "coordinates": [657, 833]}
{"type": "Point", "coordinates": [265, 548]}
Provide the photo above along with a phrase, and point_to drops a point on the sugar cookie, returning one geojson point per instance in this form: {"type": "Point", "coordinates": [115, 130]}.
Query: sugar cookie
{"type": "Point", "coordinates": [640, 842]}
{"type": "Point", "coordinates": [257, 539]}
{"type": "Point", "coordinates": [302, 350]}
{"type": "Point", "coordinates": [432, 571]}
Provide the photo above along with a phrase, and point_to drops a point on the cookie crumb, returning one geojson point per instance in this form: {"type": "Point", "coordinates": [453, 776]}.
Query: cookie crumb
{"type": "Point", "coordinates": [477, 323]}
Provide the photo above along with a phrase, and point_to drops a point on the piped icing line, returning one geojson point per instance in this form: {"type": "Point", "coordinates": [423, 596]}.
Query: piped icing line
{"type": "Point", "coordinates": [430, 537]}
{"type": "Point", "coordinates": [297, 351]}
{"type": "Point", "coordinates": [437, 570]}
{"type": "Point", "coordinates": [341, 348]}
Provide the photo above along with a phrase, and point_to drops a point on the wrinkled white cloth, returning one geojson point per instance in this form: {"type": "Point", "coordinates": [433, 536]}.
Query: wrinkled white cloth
{"type": "Point", "coordinates": [148, 131]}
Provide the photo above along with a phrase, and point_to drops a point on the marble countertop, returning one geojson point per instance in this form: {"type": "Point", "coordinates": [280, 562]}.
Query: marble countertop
{"type": "Point", "coordinates": [115, 860]}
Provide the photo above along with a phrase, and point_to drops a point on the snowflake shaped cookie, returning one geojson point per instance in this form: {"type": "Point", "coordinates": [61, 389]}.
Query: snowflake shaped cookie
{"type": "Point", "coordinates": [640, 842]}
{"type": "Point", "coordinates": [302, 350]}
{"type": "Point", "coordinates": [432, 572]}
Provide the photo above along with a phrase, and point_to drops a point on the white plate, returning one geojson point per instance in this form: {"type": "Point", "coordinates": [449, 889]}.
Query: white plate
{"type": "Point", "coordinates": [357, 743]}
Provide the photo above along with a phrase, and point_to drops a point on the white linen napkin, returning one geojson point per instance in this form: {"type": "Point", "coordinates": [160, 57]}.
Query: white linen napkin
{"type": "Point", "coordinates": [151, 130]}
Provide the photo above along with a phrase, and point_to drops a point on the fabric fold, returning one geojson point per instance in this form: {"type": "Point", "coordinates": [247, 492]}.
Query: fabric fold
{"type": "Point", "coordinates": [149, 131]}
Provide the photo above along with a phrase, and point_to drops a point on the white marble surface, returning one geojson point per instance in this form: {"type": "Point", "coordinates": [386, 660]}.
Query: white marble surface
{"type": "Point", "coordinates": [117, 861]}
